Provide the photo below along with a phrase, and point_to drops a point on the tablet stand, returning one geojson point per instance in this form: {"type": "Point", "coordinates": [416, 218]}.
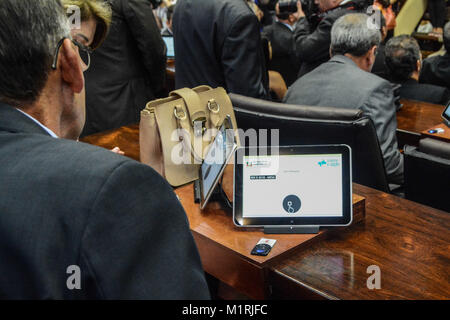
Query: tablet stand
{"type": "Point", "coordinates": [291, 229]}
{"type": "Point", "coordinates": [217, 195]}
{"type": "Point", "coordinates": [220, 195]}
{"type": "Point", "coordinates": [447, 123]}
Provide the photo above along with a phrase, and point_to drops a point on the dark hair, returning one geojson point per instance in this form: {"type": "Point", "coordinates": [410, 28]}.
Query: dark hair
{"type": "Point", "coordinates": [29, 33]}
{"type": "Point", "coordinates": [447, 37]}
{"type": "Point", "coordinates": [402, 53]}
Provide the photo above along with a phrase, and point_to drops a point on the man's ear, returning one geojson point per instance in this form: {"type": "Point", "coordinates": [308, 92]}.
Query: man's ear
{"type": "Point", "coordinates": [372, 54]}
{"type": "Point", "coordinates": [70, 66]}
{"type": "Point", "coordinates": [418, 66]}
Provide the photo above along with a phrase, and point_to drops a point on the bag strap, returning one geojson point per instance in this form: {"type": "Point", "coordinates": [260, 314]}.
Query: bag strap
{"type": "Point", "coordinates": [193, 103]}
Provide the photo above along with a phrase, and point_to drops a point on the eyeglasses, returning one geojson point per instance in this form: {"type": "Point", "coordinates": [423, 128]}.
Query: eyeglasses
{"type": "Point", "coordinates": [84, 52]}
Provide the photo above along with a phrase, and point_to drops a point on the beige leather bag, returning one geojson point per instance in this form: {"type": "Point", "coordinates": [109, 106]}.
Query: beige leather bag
{"type": "Point", "coordinates": [175, 132]}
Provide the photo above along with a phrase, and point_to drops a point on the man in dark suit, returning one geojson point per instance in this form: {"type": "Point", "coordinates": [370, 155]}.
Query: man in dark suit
{"type": "Point", "coordinates": [281, 36]}
{"type": "Point", "coordinates": [312, 40]}
{"type": "Point", "coordinates": [128, 70]}
{"type": "Point", "coordinates": [436, 70]}
{"type": "Point", "coordinates": [218, 43]}
{"type": "Point", "coordinates": [346, 82]}
{"type": "Point", "coordinates": [403, 59]}
{"type": "Point", "coordinates": [76, 221]}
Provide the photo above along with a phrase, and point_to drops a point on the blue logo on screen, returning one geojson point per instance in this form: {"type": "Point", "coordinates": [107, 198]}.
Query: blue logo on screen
{"type": "Point", "coordinates": [322, 163]}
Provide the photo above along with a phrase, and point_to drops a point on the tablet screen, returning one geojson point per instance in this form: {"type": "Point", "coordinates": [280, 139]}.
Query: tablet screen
{"type": "Point", "coordinates": [170, 46]}
{"type": "Point", "coordinates": [446, 114]}
{"type": "Point", "coordinates": [215, 160]}
{"type": "Point", "coordinates": [292, 186]}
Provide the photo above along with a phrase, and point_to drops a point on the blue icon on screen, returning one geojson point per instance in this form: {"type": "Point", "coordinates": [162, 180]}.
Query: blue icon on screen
{"type": "Point", "coordinates": [322, 163]}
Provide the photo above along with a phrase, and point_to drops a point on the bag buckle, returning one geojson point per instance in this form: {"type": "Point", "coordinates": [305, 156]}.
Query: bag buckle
{"type": "Point", "coordinates": [179, 113]}
{"type": "Point", "coordinates": [213, 106]}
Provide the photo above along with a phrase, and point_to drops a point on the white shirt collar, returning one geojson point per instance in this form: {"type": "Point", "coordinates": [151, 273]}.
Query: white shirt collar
{"type": "Point", "coordinates": [50, 132]}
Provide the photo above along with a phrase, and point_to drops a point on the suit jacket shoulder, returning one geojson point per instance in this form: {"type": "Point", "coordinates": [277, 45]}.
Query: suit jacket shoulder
{"type": "Point", "coordinates": [413, 90]}
{"type": "Point", "coordinates": [436, 70]}
{"type": "Point", "coordinates": [67, 203]}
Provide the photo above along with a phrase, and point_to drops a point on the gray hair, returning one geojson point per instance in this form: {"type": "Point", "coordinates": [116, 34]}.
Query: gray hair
{"type": "Point", "coordinates": [29, 33]}
{"type": "Point", "coordinates": [352, 34]}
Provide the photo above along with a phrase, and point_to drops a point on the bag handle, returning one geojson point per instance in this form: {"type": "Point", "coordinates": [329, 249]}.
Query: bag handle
{"type": "Point", "coordinates": [193, 104]}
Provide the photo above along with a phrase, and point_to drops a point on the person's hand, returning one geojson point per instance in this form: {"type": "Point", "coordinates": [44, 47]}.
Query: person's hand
{"type": "Point", "coordinates": [118, 151]}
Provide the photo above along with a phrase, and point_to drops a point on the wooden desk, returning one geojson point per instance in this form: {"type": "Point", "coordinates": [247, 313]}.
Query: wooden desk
{"type": "Point", "coordinates": [408, 241]}
{"type": "Point", "coordinates": [443, 136]}
{"type": "Point", "coordinates": [415, 117]}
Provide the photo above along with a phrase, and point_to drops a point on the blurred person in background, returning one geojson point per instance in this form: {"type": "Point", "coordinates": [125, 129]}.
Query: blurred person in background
{"type": "Point", "coordinates": [404, 61]}
{"type": "Point", "coordinates": [128, 70]}
{"type": "Point", "coordinates": [281, 36]}
{"type": "Point", "coordinates": [436, 69]}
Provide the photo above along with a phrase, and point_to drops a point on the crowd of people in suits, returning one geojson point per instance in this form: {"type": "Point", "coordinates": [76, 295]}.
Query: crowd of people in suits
{"type": "Point", "coordinates": [97, 76]}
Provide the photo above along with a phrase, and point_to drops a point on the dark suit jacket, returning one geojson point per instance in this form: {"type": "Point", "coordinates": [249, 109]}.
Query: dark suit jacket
{"type": "Point", "coordinates": [127, 71]}
{"type": "Point", "coordinates": [436, 70]}
{"type": "Point", "coordinates": [284, 59]}
{"type": "Point", "coordinates": [313, 46]}
{"type": "Point", "coordinates": [340, 83]}
{"type": "Point", "coordinates": [413, 90]}
{"type": "Point", "coordinates": [379, 67]}
{"type": "Point", "coordinates": [65, 203]}
{"type": "Point", "coordinates": [218, 43]}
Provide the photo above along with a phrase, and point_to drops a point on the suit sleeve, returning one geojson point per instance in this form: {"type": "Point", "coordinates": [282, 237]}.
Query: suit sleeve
{"type": "Point", "coordinates": [143, 27]}
{"type": "Point", "coordinates": [243, 60]}
{"type": "Point", "coordinates": [313, 45]}
{"type": "Point", "coordinates": [380, 107]}
{"type": "Point", "coordinates": [137, 243]}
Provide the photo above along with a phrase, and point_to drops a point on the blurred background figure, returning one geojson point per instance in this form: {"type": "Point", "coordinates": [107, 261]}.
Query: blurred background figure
{"type": "Point", "coordinates": [167, 31]}
{"type": "Point", "coordinates": [436, 69]}
{"type": "Point", "coordinates": [404, 61]}
{"type": "Point", "coordinates": [128, 70]}
{"type": "Point", "coordinates": [388, 14]}
{"type": "Point", "coordinates": [218, 43]}
{"type": "Point", "coordinates": [281, 36]}
{"type": "Point", "coordinates": [313, 31]}
{"type": "Point", "coordinates": [438, 11]}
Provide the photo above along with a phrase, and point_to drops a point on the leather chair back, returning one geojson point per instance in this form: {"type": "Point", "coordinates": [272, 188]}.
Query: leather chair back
{"type": "Point", "coordinates": [306, 125]}
{"type": "Point", "coordinates": [427, 173]}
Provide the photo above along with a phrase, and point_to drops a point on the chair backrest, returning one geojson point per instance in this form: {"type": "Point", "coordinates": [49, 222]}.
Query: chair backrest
{"type": "Point", "coordinates": [306, 125]}
{"type": "Point", "coordinates": [427, 173]}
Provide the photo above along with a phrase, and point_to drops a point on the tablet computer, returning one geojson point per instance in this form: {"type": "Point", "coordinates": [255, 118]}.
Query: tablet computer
{"type": "Point", "coordinates": [170, 46]}
{"type": "Point", "coordinates": [215, 161]}
{"type": "Point", "coordinates": [293, 186]}
{"type": "Point", "coordinates": [446, 115]}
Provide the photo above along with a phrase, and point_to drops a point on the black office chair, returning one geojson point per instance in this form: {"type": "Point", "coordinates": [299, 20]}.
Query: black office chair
{"type": "Point", "coordinates": [427, 173]}
{"type": "Point", "coordinates": [304, 125]}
